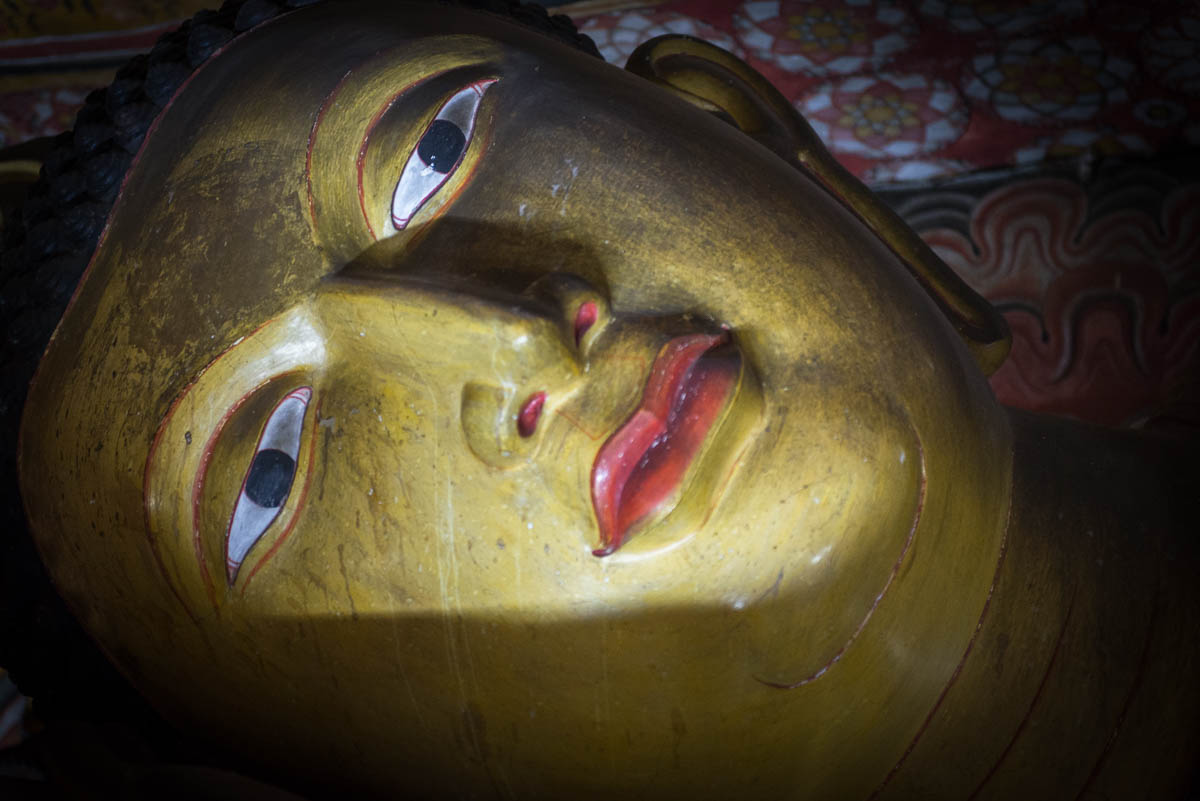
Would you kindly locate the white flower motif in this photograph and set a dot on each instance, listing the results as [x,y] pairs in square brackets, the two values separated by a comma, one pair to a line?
[1034,81]
[973,16]
[824,37]
[1172,53]
[886,116]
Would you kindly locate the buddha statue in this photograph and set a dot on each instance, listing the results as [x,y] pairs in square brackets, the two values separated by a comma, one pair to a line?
[446,413]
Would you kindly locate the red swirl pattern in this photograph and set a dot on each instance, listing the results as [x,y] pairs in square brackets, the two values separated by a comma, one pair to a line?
[1105,312]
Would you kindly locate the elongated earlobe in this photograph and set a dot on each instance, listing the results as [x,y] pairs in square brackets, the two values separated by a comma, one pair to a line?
[722,84]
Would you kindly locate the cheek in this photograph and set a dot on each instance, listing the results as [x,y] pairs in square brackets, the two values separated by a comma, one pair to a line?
[857,484]
[385,461]
[401,515]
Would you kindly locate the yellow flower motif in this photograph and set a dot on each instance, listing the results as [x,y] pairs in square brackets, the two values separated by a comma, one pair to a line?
[1060,80]
[829,30]
[887,115]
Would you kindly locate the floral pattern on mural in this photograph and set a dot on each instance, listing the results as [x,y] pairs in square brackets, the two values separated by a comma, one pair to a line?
[824,37]
[1036,81]
[999,16]
[886,116]
[1172,52]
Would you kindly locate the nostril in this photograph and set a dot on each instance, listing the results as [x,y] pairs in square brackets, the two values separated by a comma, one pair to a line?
[531,410]
[585,318]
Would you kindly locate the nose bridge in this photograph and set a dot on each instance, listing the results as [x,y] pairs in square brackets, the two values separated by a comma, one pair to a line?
[455,333]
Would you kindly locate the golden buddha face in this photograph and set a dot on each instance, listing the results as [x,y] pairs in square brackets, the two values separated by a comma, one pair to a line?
[503,407]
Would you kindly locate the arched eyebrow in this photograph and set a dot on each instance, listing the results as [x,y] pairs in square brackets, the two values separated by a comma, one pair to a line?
[312,139]
[152,453]
[457,117]
[361,158]
[330,99]
[353,102]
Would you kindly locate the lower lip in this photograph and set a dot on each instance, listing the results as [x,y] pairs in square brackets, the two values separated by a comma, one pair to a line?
[644,463]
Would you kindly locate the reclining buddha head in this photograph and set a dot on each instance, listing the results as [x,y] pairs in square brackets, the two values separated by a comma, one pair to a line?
[447,409]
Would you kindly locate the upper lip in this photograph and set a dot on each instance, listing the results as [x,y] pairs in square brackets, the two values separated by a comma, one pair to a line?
[644,462]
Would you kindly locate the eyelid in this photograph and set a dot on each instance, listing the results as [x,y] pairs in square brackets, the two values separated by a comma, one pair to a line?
[421,178]
[269,478]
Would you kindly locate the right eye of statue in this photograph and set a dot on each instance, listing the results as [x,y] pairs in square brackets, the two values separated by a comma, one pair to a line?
[268,480]
[438,152]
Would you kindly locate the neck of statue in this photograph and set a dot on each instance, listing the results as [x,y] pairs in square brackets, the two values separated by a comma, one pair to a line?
[1100,558]
[1088,633]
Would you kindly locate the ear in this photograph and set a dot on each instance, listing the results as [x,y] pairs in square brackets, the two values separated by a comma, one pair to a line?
[721,83]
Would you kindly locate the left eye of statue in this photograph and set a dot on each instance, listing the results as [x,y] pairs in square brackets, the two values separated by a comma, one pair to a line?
[438,152]
[268,480]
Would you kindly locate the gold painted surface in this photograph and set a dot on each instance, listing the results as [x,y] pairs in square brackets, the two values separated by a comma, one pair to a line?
[817,613]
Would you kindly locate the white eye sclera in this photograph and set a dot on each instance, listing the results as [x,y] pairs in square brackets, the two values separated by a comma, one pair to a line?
[268,480]
[438,152]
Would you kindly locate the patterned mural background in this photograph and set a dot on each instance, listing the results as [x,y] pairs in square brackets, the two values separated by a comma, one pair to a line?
[1098,276]
[932,88]
[899,89]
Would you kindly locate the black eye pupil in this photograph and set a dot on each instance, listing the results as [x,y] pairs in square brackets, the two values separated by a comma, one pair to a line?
[441,146]
[270,478]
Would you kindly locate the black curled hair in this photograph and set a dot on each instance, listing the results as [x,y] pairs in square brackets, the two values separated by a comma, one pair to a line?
[47,245]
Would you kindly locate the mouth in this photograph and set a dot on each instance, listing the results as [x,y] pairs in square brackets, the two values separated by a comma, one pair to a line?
[641,469]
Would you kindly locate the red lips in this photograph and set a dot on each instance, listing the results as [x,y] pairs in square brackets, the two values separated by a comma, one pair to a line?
[644,462]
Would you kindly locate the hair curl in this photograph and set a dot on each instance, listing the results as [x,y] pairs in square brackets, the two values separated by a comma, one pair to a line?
[46,247]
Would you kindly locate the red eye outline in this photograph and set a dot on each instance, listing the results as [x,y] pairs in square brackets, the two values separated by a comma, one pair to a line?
[202,476]
[276,436]
[300,500]
[416,170]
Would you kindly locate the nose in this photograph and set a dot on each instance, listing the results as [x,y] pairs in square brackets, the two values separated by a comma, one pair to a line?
[582,310]
[502,424]
[501,360]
